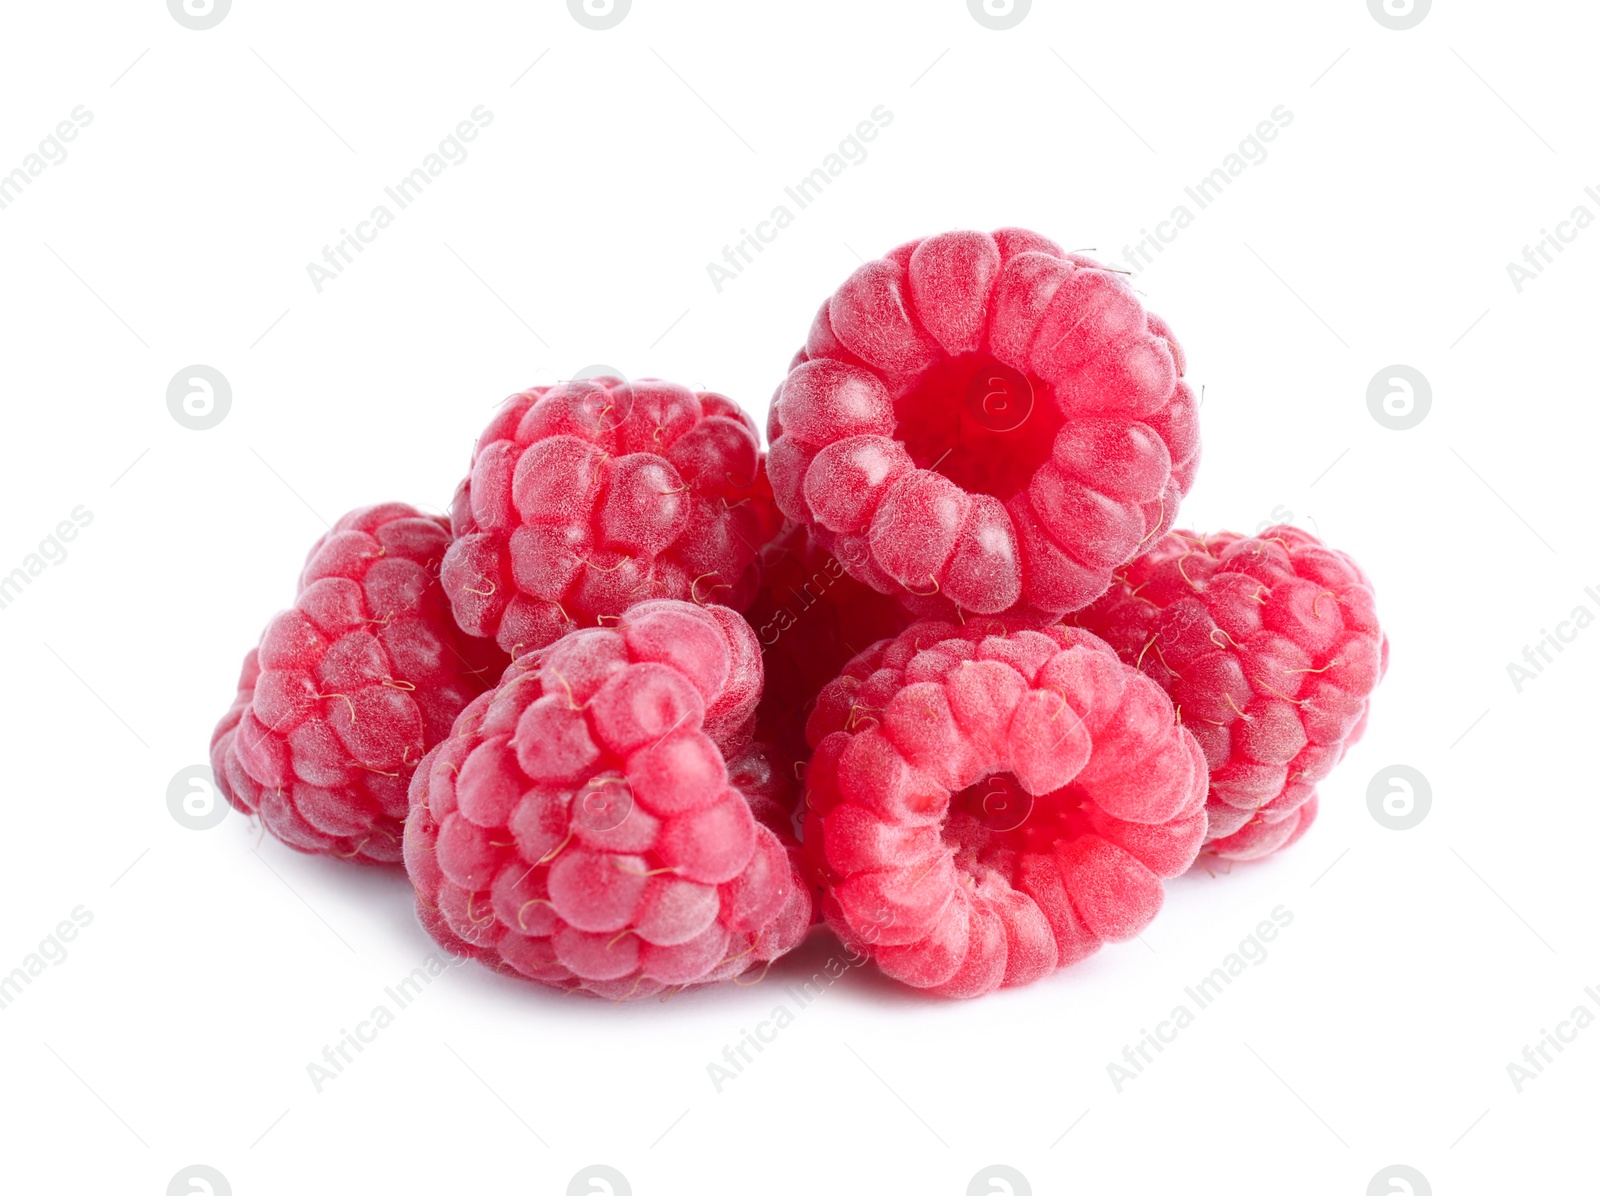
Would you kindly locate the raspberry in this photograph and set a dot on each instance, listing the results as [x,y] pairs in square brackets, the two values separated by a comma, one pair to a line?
[1263,835]
[349,687]
[586,497]
[985,420]
[1270,647]
[811,617]
[579,828]
[989,803]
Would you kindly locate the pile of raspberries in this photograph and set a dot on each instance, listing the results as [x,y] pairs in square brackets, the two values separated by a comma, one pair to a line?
[934,669]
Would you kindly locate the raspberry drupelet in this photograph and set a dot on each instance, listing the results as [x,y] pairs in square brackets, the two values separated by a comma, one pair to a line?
[983,423]
[589,496]
[350,687]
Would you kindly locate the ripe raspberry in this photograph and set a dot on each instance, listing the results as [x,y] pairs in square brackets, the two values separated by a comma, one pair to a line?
[1269,832]
[989,803]
[1269,646]
[579,828]
[349,687]
[587,497]
[811,617]
[986,420]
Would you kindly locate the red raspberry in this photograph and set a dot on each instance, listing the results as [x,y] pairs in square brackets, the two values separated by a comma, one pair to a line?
[988,803]
[349,687]
[811,617]
[587,497]
[579,828]
[1270,647]
[986,419]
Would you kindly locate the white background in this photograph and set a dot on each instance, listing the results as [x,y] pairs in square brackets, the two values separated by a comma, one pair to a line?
[578,230]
